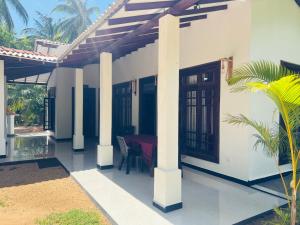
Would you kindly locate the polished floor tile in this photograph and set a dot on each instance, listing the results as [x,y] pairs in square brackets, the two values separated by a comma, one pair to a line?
[127,199]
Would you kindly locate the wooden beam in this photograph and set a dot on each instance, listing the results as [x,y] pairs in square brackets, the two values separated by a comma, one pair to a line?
[114,37]
[87,52]
[203,10]
[96,46]
[212,1]
[132,19]
[117,29]
[95,43]
[192,18]
[19,82]
[148,5]
[179,7]
[162,4]
[106,37]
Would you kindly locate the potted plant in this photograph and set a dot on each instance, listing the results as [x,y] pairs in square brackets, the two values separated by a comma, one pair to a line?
[10,122]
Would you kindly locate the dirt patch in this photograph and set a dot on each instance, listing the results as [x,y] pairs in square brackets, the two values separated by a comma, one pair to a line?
[51,190]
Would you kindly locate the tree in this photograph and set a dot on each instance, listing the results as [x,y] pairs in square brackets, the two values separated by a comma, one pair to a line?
[28,102]
[282,87]
[79,17]
[45,28]
[5,16]
[9,39]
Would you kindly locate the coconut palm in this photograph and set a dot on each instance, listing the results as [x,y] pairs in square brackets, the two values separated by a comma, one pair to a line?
[282,87]
[5,15]
[45,28]
[78,17]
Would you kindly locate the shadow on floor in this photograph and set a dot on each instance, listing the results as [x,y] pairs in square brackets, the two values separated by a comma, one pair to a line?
[23,173]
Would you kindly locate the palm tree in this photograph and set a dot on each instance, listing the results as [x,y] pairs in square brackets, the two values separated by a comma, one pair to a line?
[79,17]
[5,16]
[282,87]
[45,28]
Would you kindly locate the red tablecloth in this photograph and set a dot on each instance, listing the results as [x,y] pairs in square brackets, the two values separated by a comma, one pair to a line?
[147,143]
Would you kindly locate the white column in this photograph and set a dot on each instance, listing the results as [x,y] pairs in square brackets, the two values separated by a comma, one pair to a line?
[167,176]
[105,148]
[2,112]
[5,105]
[78,139]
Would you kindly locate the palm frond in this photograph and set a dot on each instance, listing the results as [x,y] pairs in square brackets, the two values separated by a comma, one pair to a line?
[285,93]
[20,10]
[266,137]
[260,71]
[5,15]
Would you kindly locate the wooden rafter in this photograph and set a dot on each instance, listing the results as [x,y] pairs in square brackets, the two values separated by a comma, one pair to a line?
[117,30]
[148,5]
[177,8]
[161,4]
[103,39]
[146,17]
[116,39]
[203,10]
[97,46]
[193,18]
[183,13]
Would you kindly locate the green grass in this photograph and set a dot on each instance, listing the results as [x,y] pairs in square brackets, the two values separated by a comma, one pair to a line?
[73,217]
[2,204]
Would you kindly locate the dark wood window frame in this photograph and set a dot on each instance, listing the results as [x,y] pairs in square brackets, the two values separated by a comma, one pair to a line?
[204,79]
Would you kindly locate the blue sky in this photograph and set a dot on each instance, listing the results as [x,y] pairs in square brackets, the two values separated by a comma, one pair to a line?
[46,6]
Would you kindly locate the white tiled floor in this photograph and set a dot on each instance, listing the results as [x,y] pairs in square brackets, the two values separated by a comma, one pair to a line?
[207,200]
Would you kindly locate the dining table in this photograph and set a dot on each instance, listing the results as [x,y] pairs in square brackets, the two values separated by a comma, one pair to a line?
[147,145]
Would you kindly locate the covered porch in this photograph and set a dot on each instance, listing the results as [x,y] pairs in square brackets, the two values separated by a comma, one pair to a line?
[127,199]
[195,197]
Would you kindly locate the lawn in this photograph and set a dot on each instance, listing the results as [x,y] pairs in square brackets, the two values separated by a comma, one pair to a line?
[34,194]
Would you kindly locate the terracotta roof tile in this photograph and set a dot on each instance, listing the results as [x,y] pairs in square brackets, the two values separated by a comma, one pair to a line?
[11,52]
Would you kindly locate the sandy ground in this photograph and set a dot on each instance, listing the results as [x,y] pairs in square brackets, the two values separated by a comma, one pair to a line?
[38,193]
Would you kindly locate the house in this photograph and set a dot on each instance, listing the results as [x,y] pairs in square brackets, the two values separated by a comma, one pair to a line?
[161,67]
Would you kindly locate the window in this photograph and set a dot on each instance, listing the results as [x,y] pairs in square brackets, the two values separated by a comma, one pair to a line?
[199,111]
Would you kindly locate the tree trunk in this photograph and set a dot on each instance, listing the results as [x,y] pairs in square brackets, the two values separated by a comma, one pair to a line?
[294,208]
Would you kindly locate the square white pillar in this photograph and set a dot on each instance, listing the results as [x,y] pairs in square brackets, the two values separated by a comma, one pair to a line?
[105,148]
[167,176]
[5,105]
[2,112]
[78,139]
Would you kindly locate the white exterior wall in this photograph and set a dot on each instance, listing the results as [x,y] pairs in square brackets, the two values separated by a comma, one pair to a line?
[63,80]
[246,31]
[223,34]
[275,37]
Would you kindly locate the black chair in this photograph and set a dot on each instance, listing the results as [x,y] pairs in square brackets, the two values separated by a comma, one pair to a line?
[128,154]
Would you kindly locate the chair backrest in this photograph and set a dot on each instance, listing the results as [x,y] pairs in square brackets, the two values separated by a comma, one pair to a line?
[123,146]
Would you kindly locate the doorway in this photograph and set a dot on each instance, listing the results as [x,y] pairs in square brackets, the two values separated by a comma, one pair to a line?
[148,106]
[121,109]
[89,111]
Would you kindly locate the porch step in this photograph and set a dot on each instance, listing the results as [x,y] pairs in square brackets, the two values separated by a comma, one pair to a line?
[118,203]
